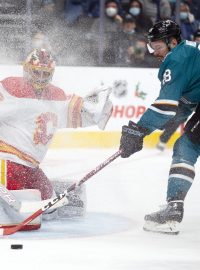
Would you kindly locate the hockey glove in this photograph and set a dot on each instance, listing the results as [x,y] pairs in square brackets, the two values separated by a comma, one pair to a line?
[132,139]
[97,108]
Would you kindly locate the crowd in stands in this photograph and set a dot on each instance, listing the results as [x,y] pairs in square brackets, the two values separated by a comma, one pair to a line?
[85,32]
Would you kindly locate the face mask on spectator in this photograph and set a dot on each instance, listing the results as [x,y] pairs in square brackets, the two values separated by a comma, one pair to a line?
[111,12]
[183,15]
[172,1]
[135,11]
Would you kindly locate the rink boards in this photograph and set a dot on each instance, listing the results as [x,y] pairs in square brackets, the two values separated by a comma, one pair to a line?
[134,89]
[96,139]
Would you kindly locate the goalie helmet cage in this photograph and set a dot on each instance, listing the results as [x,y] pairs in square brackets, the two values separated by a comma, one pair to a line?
[14,229]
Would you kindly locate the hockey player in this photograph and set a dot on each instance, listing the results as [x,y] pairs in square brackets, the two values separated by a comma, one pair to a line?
[179,75]
[180,117]
[31,111]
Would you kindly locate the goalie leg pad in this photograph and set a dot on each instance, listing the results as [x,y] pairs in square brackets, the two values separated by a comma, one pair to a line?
[76,206]
[9,217]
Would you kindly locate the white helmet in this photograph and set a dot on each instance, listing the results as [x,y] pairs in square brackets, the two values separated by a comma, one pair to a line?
[39,68]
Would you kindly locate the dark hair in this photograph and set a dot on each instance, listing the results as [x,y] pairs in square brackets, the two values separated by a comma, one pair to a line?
[140,4]
[111,1]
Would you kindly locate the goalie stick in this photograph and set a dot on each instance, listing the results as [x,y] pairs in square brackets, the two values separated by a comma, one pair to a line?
[9,198]
[14,229]
[25,206]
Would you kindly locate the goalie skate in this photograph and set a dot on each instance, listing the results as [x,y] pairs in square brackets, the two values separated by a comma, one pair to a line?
[166,220]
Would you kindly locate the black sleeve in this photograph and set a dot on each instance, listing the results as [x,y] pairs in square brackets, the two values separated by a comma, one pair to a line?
[192,128]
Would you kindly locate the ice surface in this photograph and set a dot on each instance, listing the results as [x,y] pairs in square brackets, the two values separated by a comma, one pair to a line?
[111,236]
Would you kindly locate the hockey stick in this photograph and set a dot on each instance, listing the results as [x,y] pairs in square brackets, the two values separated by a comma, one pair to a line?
[14,229]
[31,206]
[9,198]
[25,206]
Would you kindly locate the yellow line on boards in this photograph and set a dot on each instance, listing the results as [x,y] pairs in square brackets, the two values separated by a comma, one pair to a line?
[3,171]
[102,139]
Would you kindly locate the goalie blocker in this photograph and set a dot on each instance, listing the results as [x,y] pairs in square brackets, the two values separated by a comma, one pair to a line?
[76,206]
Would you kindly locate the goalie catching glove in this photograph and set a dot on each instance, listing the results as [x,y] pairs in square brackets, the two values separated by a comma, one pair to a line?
[132,139]
[97,108]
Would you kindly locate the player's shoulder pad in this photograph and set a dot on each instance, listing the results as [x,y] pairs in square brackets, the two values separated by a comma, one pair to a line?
[15,86]
[18,87]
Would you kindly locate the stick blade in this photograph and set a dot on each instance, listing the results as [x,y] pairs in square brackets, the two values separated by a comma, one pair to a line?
[14,229]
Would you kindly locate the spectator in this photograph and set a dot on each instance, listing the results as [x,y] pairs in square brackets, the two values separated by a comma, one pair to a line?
[157,9]
[112,19]
[91,8]
[125,41]
[60,5]
[173,7]
[73,9]
[112,11]
[112,25]
[187,22]
[143,22]
[84,22]
[194,7]
[48,6]
[130,48]
[48,12]
[124,6]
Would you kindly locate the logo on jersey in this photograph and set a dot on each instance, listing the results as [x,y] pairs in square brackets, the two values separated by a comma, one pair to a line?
[166,76]
[46,123]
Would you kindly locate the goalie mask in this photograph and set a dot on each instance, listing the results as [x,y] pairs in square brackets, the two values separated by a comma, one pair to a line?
[164,30]
[39,67]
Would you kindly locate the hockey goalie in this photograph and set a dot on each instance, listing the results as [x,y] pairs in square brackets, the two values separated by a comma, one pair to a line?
[31,111]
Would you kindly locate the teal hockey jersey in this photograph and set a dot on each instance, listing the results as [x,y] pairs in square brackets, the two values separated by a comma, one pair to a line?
[179,75]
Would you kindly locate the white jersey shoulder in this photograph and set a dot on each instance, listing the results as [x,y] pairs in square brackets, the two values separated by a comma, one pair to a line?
[28,123]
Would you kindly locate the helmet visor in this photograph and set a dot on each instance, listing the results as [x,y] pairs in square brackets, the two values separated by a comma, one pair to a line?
[150,49]
[156,46]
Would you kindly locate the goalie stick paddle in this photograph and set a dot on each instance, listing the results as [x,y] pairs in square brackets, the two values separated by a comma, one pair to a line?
[9,198]
[14,229]
[25,206]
